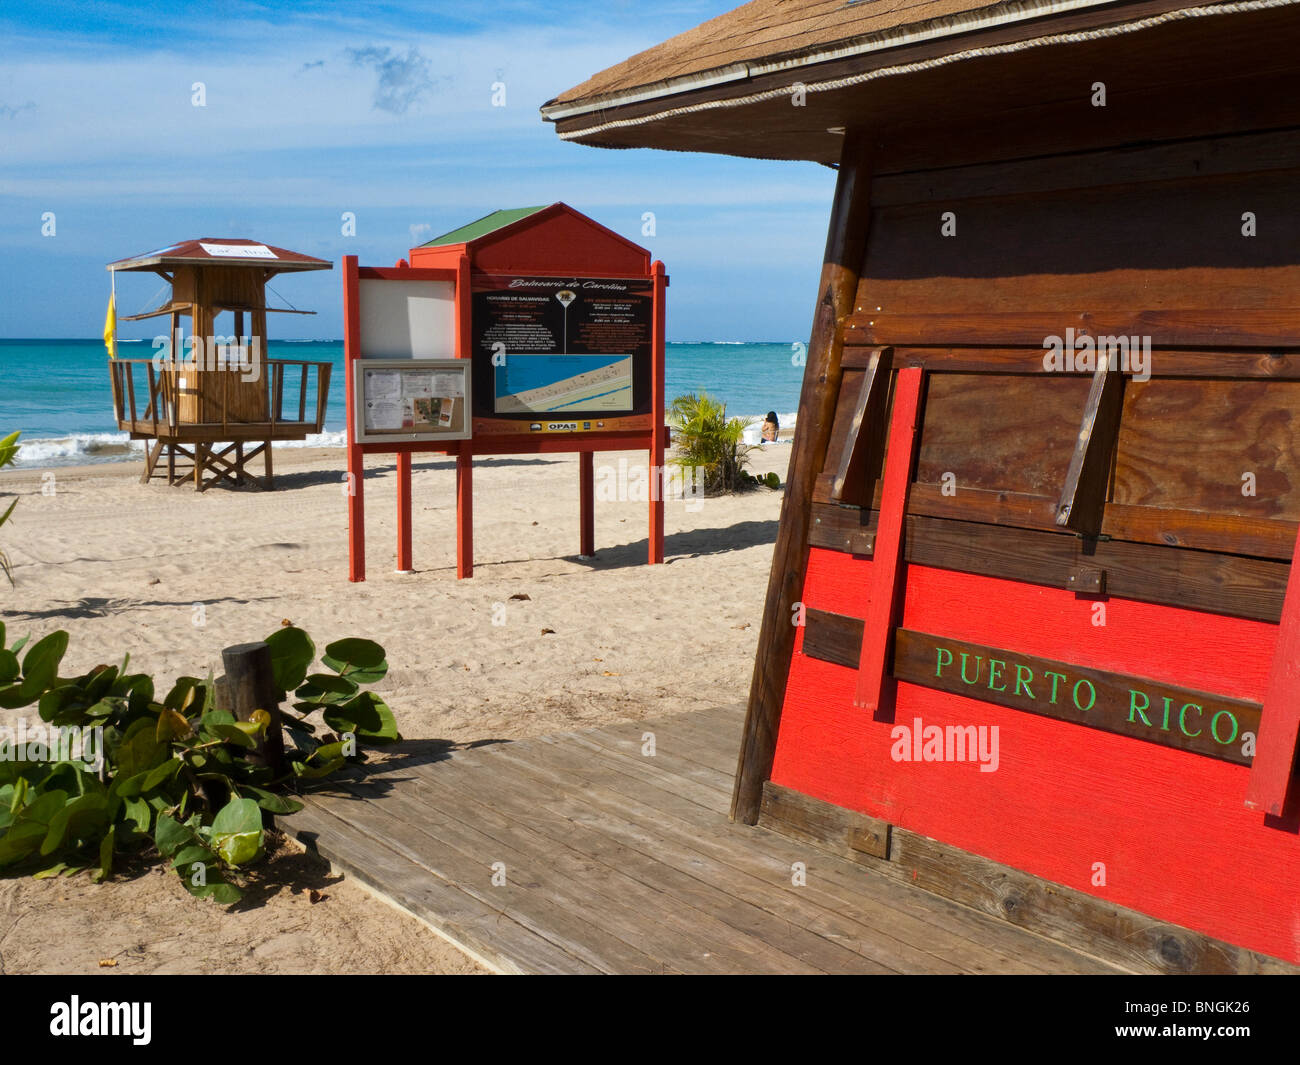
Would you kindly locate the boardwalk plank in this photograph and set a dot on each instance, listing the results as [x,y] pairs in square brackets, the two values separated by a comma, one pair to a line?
[688,895]
[500,942]
[466,858]
[923,917]
[618,862]
[650,931]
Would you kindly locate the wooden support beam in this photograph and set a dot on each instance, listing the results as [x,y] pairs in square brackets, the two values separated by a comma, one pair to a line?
[887,558]
[861,458]
[1087,479]
[1272,775]
[846,244]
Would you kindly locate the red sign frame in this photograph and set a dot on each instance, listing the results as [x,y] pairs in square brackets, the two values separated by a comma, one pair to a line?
[653,437]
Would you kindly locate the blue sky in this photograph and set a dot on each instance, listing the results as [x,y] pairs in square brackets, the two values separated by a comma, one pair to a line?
[382,109]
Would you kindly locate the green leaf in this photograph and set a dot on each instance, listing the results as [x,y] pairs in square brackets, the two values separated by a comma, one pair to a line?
[172,725]
[30,827]
[169,835]
[212,718]
[237,832]
[20,841]
[368,716]
[140,749]
[41,663]
[292,654]
[234,734]
[9,667]
[76,822]
[176,698]
[161,773]
[222,892]
[238,815]
[137,814]
[313,772]
[361,660]
[326,689]
[271,802]
[106,846]
[191,853]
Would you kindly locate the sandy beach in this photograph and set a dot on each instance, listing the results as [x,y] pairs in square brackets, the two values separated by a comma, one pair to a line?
[172,576]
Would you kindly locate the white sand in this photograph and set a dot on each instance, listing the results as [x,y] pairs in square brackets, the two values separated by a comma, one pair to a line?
[173,576]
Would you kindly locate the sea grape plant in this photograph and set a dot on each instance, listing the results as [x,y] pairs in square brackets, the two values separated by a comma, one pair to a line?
[115,769]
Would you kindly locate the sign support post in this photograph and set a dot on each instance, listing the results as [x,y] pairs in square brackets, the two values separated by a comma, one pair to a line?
[658,483]
[356,461]
[464,512]
[404,562]
[587,504]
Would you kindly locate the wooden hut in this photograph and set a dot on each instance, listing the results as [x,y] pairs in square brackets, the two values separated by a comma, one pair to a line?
[1045,486]
[210,389]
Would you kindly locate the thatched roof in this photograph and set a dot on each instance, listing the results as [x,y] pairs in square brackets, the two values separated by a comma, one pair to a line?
[726,85]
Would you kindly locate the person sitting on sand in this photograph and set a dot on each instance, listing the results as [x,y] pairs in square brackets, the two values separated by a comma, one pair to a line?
[771,427]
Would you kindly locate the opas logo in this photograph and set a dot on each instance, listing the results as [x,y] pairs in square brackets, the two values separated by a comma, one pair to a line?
[79,1018]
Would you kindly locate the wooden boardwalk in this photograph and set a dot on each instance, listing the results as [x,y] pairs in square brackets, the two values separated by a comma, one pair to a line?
[615,861]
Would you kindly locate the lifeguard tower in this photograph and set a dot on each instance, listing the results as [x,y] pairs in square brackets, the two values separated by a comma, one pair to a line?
[214,398]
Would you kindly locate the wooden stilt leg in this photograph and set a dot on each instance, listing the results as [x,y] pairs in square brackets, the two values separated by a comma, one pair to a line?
[171,464]
[151,453]
[270,475]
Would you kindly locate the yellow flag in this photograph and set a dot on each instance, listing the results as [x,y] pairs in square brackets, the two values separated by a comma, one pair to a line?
[110,327]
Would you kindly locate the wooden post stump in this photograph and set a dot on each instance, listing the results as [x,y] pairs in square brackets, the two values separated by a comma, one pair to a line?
[250,685]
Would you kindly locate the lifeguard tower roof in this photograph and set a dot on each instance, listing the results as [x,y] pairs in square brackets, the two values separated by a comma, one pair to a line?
[223,251]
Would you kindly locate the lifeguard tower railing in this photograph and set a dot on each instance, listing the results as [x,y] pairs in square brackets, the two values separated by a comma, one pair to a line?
[184,410]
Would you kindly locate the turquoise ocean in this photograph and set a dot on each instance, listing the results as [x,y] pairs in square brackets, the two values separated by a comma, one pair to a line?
[57,391]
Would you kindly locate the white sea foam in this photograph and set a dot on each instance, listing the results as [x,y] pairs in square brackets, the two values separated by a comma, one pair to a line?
[83,449]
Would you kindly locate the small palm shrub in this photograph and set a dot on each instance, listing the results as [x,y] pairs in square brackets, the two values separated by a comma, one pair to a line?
[709,444]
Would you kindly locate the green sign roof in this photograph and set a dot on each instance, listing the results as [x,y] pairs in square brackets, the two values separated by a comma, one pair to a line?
[487,224]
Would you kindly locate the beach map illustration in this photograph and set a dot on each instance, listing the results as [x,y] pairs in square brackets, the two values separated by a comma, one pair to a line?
[548,383]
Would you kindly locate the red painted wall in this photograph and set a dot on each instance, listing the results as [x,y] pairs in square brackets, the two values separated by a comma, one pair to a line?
[1171,827]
